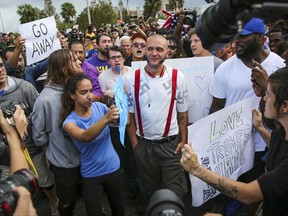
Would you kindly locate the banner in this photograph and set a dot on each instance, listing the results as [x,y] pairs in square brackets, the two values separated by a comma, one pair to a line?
[224,142]
[198,72]
[41,39]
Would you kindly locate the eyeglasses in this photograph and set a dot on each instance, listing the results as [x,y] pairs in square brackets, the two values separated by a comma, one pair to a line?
[142,45]
[114,32]
[116,57]
[172,47]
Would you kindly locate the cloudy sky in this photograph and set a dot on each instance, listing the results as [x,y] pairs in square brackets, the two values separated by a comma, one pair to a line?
[10,19]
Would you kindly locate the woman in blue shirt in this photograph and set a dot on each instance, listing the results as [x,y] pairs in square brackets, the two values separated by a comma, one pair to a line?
[86,123]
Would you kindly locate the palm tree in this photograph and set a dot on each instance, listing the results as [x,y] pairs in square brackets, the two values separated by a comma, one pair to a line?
[151,7]
[49,9]
[174,4]
[68,11]
[28,13]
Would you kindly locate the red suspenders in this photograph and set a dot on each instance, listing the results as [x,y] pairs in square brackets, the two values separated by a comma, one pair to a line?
[169,117]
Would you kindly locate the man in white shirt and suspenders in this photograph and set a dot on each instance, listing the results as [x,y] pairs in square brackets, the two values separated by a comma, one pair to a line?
[158,107]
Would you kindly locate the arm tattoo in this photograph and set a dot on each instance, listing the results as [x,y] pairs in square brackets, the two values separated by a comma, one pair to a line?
[226,188]
[221,185]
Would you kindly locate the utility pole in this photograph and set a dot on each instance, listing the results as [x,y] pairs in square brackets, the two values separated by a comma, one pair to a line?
[88,11]
[2,22]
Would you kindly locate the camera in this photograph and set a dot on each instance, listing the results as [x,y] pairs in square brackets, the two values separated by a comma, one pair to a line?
[8,199]
[190,17]
[8,108]
[165,202]
[131,27]
[75,35]
[222,22]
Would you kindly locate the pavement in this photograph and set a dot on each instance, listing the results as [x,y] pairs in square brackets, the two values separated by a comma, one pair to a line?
[43,209]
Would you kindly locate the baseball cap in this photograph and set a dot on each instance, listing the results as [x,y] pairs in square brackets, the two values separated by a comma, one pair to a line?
[255,25]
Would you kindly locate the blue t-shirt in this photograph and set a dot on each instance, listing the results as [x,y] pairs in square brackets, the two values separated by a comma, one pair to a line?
[98,157]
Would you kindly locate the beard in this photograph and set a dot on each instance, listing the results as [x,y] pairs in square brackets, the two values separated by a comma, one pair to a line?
[248,50]
[159,63]
[103,51]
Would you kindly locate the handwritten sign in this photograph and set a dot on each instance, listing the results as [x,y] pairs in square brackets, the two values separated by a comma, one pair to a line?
[41,39]
[224,143]
[198,72]
[121,101]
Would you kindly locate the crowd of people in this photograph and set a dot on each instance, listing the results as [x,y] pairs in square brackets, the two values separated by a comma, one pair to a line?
[72,131]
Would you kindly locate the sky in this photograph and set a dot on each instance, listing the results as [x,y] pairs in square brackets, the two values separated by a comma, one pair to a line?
[10,18]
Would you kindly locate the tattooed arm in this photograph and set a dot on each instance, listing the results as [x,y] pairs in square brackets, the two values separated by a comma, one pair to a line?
[246,193]
[182,118]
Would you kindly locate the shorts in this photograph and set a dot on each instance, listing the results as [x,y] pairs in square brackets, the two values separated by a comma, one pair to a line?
[45,176]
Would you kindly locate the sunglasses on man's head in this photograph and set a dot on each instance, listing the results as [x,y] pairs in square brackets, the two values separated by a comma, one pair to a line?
[172,47]
[142,45]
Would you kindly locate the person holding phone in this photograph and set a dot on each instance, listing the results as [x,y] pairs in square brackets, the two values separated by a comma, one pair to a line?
[86,123]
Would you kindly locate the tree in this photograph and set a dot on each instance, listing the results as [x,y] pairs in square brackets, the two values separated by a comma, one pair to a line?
[151,7]
[28,13]
[68,11]
[49,9]
[101,12]
[175,4]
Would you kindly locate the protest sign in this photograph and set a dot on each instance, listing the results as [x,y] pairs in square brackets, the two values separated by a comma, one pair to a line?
[224,143]
[198,72]
[121,101]
[41,39]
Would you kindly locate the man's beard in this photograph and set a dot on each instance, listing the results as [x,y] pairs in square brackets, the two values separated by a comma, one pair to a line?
[103,51]
[160,62]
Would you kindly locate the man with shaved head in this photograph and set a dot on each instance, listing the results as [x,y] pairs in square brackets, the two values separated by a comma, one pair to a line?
[158,104]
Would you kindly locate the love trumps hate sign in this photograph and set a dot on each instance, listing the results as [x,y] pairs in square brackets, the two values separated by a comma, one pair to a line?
[224,144]
[41,39]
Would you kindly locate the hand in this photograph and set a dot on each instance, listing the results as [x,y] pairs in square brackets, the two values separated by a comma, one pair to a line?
[109,93]
[259,75]
[258,90]
[112,114]
[179,147]
[189,159]
[19,43]
[24,203]
[257,118]
[21,123]
[134,145]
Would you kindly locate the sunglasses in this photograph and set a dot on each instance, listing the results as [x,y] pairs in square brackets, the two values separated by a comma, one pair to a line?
[116,57]
[172,47]
[142,45]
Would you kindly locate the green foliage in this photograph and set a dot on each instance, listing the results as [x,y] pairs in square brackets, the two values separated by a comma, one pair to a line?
[49,9]
[151,7]
[28,13]
[102,12]
[176,4]
[68,11]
